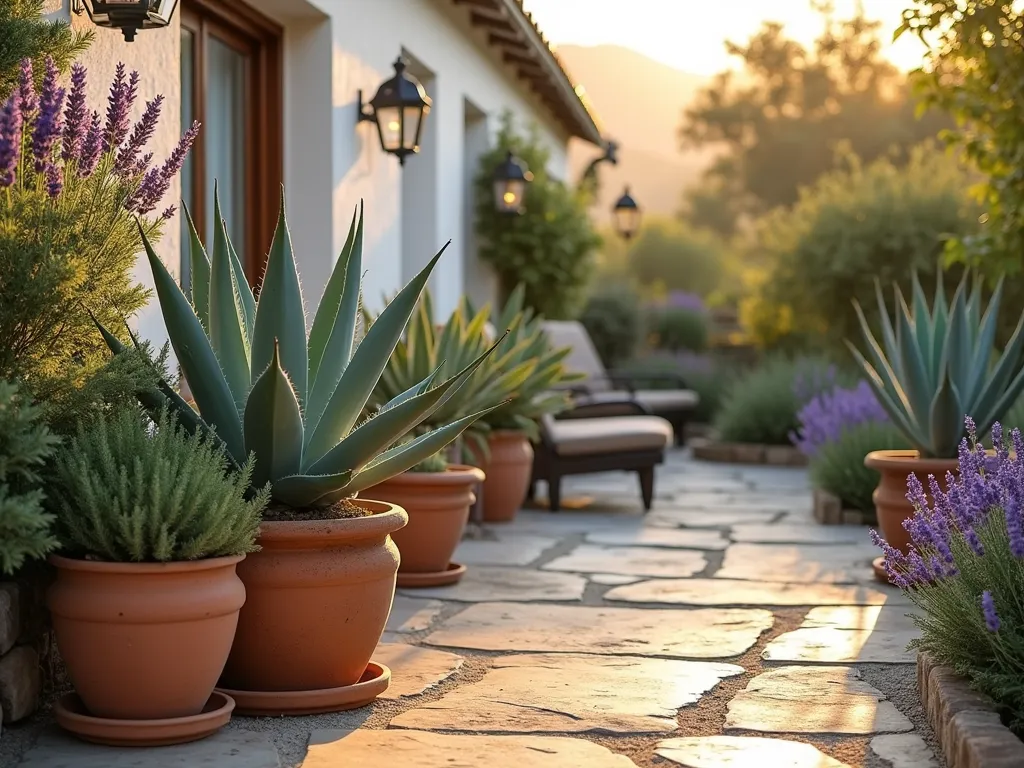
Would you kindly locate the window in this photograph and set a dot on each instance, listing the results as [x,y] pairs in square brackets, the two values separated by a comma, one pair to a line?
[231,83]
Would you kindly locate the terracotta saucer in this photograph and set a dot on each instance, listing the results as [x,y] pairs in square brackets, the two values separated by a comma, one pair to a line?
[373,683]
[878,566]
[449,575]
[72,716]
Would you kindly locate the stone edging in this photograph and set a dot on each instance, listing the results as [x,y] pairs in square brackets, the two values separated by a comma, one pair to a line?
[965,723]
[828,510]
[709,449]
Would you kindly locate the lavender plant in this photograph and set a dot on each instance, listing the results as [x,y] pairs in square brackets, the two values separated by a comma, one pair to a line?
[965,568]
[829,413]
[71,186]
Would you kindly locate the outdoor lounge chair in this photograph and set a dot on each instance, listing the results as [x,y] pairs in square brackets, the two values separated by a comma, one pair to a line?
[582,445]
[614,390]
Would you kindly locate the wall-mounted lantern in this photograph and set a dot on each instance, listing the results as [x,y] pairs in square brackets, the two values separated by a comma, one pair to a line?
[127,15]
[510,180]
[398,110]
[627,215]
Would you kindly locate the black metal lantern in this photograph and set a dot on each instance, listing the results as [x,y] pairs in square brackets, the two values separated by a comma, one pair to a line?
[398,109]
[627,215]
[127,15]
[510,180]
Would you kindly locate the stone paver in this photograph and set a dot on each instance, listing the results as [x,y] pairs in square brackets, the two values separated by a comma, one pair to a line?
[801,563]
[904,750]
[484,584]
[409,614]
[660,537]
[630,561]
[846,635]
[422,749]
[785,533]
[612,579]
[803,699]
[226,749]
[699,634]
[414,669]
[743,752]
[509,549]
[570,693]
[727,592]
[704,518]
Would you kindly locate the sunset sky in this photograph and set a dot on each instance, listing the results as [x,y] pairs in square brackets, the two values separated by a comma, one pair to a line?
[689,34]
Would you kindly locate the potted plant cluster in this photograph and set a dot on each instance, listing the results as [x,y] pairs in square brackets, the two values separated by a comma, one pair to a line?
[934,365]
[153,523]
[319,590]
[438,494]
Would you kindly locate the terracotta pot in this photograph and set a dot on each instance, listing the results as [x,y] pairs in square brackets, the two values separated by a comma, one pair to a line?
[438,505]
[145,641]
[318,595]
[890,496]
[508,475]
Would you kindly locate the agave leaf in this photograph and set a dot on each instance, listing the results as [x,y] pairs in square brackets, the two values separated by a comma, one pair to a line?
[985,343]
[1010,396]
[882,368]
[227,328]
[946,421]
[1004,371]
[959,342]
[513,306]
[243,291]
[924,331]
[199,272]
[416,389]
[900,416]
[273,425]
[364,370]
[888,336]
[396,460]
[280,316]
[334,328]
[915,380]
[302,491]
[196,357]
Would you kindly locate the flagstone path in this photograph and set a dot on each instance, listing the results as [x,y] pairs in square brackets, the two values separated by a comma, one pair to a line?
[725,629]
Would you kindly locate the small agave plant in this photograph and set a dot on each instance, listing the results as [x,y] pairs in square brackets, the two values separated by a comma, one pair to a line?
[936,365]
[291,400]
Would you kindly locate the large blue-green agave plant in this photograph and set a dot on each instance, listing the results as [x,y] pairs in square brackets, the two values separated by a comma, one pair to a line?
[295,401]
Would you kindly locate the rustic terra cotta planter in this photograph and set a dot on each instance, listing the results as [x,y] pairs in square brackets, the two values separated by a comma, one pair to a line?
[438,506]
[890,496]
[145,641]
[508,475]
[318,595]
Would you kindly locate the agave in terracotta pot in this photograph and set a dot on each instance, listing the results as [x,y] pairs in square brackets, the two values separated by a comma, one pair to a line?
[320,591]
[146,600]
[935,367]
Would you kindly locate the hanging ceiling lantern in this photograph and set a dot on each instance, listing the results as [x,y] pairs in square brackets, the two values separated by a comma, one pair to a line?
[510,180]
[398,109]
[127,15]
[627,215]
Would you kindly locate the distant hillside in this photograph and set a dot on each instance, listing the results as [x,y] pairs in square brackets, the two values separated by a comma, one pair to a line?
[640,104]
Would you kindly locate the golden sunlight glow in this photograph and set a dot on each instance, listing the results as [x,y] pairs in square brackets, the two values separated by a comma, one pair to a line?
[393,125]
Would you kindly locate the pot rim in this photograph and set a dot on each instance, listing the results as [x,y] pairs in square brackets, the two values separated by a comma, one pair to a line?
[908,460]
[455,474]
[386,519]
[173,566]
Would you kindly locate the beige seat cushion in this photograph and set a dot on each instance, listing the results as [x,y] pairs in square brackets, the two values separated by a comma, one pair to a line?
[588,437]
[655,400]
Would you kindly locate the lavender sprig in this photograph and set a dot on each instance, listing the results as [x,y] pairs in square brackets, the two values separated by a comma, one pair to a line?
[91,147]
[10,139]
[48,123]
[142,133]
[76,116]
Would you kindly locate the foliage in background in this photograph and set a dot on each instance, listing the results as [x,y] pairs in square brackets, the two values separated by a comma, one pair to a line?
[71,187]
[937,364]
[549,248]
[855,225]
[673,256]
[25,445]
[676,329]
[25,34]
[975,71]
[966,568]
[128,490]
[837,466]
[761,406]
[708,377]
[828,414]
[613,317]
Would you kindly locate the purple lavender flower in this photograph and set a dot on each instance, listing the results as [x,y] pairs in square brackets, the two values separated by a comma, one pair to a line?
[826,416]
[142,164]
[157,180]
[142,133]
[91,147]
[10,139]
[915,493]
[48,123]
[75,116]
[168,212]
[27,90]
[119,106]
[54,180]
[988,607]
[685,300]
[1014,524]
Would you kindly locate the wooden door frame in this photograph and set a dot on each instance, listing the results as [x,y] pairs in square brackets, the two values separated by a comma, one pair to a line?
[261,40]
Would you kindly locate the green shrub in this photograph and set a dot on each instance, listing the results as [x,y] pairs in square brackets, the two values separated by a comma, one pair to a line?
[677,257]
[676,329]
[838,466]
[762,405]
[25,445]
[707,377]
[614,321]
[128,490]
[26,33]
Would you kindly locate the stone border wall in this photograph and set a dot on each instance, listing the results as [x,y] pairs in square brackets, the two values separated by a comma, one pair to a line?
[709,449]
[966,723]
[828,510]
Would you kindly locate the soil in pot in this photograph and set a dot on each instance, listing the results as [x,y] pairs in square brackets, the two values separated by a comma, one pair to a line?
[508,475]
[318,595]
[145,641]
[438,505]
